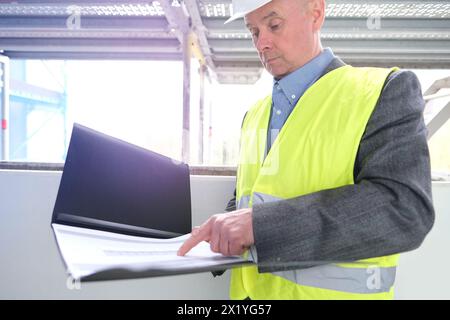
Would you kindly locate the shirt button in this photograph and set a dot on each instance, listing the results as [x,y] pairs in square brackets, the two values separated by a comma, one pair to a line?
[293,96]
[278,112]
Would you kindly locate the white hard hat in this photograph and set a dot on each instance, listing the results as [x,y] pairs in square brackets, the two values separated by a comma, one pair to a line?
[242,7]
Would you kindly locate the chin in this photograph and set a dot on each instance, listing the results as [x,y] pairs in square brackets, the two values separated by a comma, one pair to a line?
[277,72]
[278,75]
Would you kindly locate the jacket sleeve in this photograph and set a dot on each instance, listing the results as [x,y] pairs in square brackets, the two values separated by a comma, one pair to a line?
[389,208]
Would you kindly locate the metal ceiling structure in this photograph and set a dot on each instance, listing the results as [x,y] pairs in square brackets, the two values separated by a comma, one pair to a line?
[435,120]
[407,34]
[411,34]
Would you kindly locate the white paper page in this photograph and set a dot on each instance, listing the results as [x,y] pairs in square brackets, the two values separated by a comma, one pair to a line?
[88,251]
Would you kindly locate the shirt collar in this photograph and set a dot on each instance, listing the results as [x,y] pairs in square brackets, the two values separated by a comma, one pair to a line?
[296,83]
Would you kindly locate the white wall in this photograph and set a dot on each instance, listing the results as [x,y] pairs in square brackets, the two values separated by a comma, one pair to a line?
[31,268]
[30,265]
[425,273]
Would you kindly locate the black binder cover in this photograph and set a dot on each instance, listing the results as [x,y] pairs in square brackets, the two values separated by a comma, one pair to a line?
[111,185]
[114,186]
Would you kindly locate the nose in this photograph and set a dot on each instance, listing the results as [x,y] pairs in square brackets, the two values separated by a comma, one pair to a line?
[264,42]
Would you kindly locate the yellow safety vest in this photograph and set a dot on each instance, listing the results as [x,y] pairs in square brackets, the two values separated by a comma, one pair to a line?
[315,150]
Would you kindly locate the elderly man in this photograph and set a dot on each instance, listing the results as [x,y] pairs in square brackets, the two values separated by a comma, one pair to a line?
[342,183]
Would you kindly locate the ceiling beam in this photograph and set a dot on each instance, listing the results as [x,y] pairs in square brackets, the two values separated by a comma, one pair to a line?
[71,55]
[89,45]
[200,31]
[86,23]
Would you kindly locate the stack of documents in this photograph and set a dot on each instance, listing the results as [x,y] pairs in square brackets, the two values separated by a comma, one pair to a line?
[92,255]
[115,202]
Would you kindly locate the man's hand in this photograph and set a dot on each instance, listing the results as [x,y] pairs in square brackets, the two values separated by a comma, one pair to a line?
[227,233]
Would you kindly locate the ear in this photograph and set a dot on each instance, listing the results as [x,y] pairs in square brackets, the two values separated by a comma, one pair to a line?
[317,8]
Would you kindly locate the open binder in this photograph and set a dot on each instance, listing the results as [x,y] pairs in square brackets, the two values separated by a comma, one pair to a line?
[123,211]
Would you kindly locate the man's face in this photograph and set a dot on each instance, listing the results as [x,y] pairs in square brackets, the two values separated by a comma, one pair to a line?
[285,35]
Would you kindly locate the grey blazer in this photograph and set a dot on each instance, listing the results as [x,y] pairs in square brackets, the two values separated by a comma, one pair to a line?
[389,208]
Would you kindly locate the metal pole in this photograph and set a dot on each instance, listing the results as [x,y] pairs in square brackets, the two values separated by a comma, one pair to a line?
[202,71]
[64,108]
[210,132]
[4,114]
[185,151]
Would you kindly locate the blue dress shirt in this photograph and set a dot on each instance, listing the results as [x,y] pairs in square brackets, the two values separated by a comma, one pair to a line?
[288,90]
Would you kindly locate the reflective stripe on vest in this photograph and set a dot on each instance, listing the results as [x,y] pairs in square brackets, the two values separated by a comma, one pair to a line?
[372,279]
[315,150]
[243,202]
[365,279]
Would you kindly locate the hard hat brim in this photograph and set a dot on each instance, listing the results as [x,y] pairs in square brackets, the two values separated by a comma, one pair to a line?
[243,10]
[235,17]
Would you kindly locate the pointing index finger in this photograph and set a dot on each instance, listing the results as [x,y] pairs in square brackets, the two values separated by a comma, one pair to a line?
[198,235]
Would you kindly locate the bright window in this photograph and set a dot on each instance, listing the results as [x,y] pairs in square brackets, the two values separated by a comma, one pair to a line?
[141,102]
[137,101]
